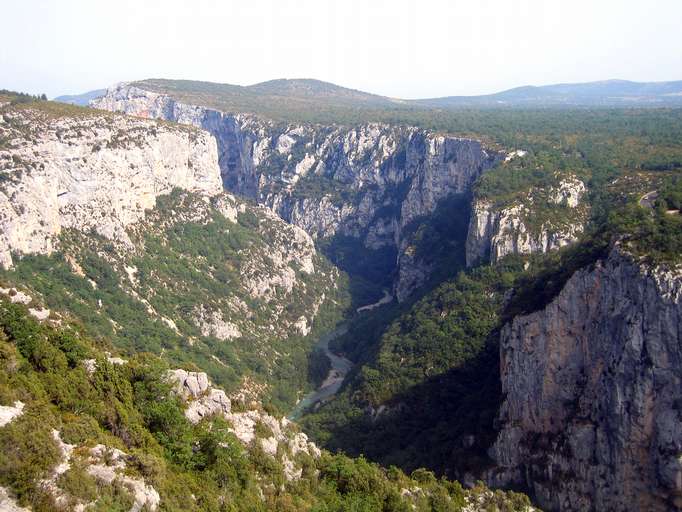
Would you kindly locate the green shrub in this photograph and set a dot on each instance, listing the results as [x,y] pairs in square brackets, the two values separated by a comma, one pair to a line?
[28,451]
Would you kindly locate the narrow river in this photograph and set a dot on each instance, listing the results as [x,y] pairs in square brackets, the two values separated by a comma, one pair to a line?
[340,366]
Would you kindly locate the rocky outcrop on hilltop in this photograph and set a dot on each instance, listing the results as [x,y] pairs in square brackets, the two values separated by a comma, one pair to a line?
[592,387]
[91,171]
[369,182]
[543,221]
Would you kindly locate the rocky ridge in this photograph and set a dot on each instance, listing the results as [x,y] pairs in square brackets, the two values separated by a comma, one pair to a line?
[590,419]
[370,182]
[106,464]
[283,440]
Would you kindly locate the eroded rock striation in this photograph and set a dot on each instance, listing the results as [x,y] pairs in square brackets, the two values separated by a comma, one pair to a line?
[369,182]
[592,386]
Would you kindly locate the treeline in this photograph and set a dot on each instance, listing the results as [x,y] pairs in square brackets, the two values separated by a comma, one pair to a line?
[22,97]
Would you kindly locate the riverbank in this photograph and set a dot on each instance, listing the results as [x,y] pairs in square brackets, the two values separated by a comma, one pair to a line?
[340,366]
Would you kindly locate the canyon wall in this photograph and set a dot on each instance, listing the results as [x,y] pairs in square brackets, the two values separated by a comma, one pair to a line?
[542,221]
[592,388]
[145,240]
[370,182]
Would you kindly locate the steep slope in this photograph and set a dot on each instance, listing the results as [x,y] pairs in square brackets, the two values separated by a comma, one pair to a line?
[83,430]
[428,388]
[122,224]
[534,220]
[375,183]
[75,168]
[427,385]
[591,387]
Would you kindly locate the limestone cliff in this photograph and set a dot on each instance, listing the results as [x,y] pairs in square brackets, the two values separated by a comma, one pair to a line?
[543,221]
[133,235]
[369,182]
[90,171]
[592,387]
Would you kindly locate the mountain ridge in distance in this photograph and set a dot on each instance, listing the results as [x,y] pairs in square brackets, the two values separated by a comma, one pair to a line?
[613,92]
[308,91]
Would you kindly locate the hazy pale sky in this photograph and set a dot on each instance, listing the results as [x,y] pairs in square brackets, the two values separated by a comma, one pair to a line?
[400,48]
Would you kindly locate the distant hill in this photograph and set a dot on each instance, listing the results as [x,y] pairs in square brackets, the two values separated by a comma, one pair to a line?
[275,98]
[604,93]
[309,88]
[300,95]
[81,99]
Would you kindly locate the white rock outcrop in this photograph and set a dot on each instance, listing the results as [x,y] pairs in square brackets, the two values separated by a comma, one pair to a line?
[16,296]
[9,412]
[90,365]
[496,231]
[50,484]
[109,464]
[212,323]
[93,172]
[203,400]
[8,504]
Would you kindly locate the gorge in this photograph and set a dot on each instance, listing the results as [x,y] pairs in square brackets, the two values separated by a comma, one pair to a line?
[373,183]
[495,303]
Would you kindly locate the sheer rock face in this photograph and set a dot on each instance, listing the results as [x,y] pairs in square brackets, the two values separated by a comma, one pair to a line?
[390,176]
[593,385]
[92,172]
[495,231]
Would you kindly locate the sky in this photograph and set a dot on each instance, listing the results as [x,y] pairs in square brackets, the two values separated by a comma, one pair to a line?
[397,48]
